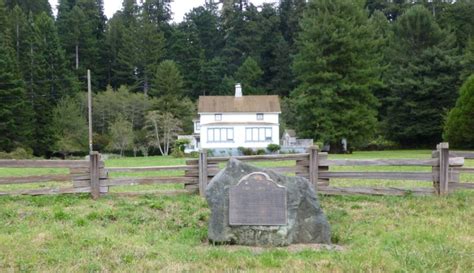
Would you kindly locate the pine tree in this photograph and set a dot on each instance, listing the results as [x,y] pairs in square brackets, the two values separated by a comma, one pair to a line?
[422,80]
[14,109]
[459,128]
[168,81]
[291,12]
[49,80]
[31,6]
[467,61]
[150,50]
[249,75]
[81,26]
[274,54]
[184,47]
[335,69]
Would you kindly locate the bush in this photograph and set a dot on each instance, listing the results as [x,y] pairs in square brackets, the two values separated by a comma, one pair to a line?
[261,152]
[18,153]
[273,148]
[194,154]
[177,153]
[245,151]
[180,144]
[379,144]
[459,128]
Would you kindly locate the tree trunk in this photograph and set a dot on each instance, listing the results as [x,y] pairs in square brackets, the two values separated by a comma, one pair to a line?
[77,56]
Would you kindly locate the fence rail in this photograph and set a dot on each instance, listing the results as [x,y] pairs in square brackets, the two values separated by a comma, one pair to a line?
[91,176]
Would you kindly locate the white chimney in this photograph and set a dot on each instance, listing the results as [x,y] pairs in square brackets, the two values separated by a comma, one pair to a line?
[238,90]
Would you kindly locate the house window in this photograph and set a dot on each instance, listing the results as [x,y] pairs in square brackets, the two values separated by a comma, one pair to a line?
[258,134]
[259,116]
[218,117]
[220,134]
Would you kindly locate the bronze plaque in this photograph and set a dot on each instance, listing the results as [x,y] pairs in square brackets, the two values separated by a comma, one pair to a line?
[257,201]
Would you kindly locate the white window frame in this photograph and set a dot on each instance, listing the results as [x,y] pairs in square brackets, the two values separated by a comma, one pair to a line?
[258,134]
[260,116]
[220,135]
[218,117]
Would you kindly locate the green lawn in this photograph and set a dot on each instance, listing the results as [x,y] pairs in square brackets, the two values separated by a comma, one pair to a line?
[168,233]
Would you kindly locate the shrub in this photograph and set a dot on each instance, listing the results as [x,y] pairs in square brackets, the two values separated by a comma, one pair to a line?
[261,152]
[181,144]
[18,153]
[177,153]
[273,148]
[194,154]
[459,128]
[379,144]
[245,151]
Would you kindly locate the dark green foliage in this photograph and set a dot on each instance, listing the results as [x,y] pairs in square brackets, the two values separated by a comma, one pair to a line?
[48,80]
[328,68]
[467,61]
[33,6]
[422,81]
[459,128]
[249,75]
[459,18]
[273,148]
[81,26]
[14,107]
[168,81]
[336,69]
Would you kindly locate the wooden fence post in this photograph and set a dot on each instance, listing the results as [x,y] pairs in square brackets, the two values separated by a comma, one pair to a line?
[202,172]
[443,149]
[314,165]
[95,174]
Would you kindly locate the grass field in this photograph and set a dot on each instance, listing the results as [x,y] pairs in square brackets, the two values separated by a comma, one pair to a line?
[152,233]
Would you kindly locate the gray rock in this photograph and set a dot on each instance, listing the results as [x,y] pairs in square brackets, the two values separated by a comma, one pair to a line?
[306,220]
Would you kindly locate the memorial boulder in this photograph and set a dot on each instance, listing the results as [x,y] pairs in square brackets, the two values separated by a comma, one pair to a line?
[255,207]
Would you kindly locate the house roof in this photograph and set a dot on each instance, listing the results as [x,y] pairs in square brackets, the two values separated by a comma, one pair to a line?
[231,104]
[290,132]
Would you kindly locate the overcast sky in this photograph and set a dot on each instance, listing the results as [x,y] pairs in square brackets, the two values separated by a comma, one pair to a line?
[180,7]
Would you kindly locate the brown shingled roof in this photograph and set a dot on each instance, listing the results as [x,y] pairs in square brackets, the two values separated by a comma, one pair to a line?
[222,104]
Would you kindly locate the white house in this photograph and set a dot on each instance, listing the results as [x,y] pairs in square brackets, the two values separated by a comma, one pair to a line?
[228,122]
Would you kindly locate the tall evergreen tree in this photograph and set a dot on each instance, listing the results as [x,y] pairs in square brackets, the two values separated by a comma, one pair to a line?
[459,128]
[249,75]
[150,50]
[274,54]
[14,109]
[291,12]
[34,6]
[81,27]
[184,47]
[467,61]
[49,81]
[168,81]
[335,69]
[423,79]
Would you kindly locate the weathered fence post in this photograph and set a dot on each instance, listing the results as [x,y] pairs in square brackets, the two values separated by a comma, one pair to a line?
[314,165]
[443,149]
[95,174]
[202,172]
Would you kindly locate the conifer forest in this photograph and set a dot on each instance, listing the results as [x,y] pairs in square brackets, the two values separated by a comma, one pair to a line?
[376,72]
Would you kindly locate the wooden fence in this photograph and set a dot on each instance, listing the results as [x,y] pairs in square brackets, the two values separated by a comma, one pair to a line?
[77,173]
[315,166]
[91,176]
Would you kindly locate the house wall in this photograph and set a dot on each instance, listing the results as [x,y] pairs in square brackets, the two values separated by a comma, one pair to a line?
[207,118]
[239,123]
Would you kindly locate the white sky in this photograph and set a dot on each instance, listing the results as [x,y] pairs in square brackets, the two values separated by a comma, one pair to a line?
[179,7]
